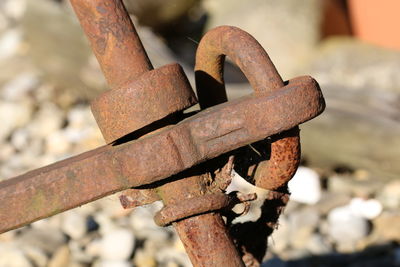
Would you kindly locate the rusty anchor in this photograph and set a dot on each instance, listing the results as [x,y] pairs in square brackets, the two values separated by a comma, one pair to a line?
[155,151]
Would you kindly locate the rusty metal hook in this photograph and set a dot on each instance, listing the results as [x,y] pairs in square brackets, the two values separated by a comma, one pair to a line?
[258,68]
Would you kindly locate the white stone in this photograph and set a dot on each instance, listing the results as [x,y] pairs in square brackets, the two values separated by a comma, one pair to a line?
[117,245]
[12,116]
[390,195]
[280,237]
[20,86]
[74,224]
[9,43]
[113,263]
[369,209]
[93,249]
[57,143]
[15,8]
[11,256]
[47,120]
[305,186]
[20,139]
[345,227]
[36,255]
[317,245]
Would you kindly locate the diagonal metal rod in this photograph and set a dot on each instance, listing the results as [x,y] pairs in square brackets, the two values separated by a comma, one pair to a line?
[109,169]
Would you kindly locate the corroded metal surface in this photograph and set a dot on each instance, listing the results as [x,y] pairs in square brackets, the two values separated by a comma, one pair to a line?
[113,39]
[151,97]
[192,206]
[139,95]
[258,68]
[106,170]
[164,160]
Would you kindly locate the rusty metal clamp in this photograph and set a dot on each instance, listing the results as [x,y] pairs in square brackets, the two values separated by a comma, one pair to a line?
[153,152]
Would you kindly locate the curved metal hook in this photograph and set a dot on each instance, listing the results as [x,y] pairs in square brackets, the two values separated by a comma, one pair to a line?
[258,68]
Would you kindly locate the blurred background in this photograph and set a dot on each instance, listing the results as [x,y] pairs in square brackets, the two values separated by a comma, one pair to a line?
[345,205]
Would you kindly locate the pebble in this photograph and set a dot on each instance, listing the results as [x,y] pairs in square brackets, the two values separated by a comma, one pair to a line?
[167,254]
[57,144]
[117,245]
[386,226]
[390,195]
[9,43]
[302,224]
[12,116]
[368,209]
[47,239]
[74,224]
[20,139]
[114,263]
[144,259]
[20,86]
[47,120]
[317,245]
[305,186]
[36,256]
[61,257]
[345,227]
[279,240]
[13,257]
[14,9]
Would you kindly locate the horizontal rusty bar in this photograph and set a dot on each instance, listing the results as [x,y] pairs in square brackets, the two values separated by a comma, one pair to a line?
[109,169]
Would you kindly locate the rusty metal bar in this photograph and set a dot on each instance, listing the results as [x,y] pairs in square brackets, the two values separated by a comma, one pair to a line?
[103,171]
[114,40]
[141,101]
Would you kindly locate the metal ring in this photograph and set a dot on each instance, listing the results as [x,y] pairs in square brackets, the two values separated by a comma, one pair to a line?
[258,68]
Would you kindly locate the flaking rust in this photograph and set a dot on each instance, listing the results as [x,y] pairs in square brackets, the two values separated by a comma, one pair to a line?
[155,153]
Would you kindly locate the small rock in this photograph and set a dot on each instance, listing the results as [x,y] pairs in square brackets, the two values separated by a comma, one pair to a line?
[331,200]
[61,257]
[48,119]
[19,86]
[350,186]
[317,245]
[143,259]
[345,227]
[36,256]
[390,195]
[74,224]
[14,9]
[57,144]
[20,139]
[113,263]
[368,209]
[12,257]
[143,225]
[93,249]
[47,239]
[305,186]
[117,245]
[168,254]
[77,249]
[9,43]
[386,226]
[12,116]
[280,238]
[302,224]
